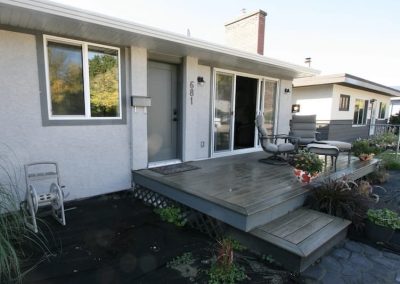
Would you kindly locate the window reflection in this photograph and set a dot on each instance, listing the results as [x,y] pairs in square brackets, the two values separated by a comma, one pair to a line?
[103,78]
[66,79]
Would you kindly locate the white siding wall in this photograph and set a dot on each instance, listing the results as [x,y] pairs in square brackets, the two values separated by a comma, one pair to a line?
[138,118]
[314,100]
[356,94]
[92,159]
[283,112]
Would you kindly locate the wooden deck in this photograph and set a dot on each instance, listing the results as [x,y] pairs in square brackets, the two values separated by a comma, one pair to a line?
[239,190]
[261,202]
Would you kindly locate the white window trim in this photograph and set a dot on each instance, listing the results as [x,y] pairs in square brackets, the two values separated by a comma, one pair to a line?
[366,115]
[86,83]
[379,110]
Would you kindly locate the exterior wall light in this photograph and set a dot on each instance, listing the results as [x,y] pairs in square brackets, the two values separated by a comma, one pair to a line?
[295,108]
[287,91]
[200,81]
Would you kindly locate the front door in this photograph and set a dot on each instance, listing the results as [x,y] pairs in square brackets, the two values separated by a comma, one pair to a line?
[162,120]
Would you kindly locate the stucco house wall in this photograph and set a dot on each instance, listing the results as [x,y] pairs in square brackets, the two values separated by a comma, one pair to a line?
[93,159]
[97,155]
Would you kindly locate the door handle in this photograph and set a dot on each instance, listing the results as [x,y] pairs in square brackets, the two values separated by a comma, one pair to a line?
[175,115]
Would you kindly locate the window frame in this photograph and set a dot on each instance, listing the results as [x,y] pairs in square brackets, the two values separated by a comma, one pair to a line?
[365,114]
[380,114]
[347,105]
[86,83]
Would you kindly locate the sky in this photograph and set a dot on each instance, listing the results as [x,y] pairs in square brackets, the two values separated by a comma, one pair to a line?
[359,37]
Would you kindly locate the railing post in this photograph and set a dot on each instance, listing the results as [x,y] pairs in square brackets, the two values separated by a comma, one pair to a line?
[398,141]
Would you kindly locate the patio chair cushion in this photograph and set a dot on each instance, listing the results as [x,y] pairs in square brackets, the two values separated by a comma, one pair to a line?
[260,123]
[304,127]
[284,147]
[323,149]
[343,146]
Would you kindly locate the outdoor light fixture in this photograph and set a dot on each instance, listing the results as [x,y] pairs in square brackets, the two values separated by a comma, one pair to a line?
[287,91]
[295,108]
[200,81]
[372,101]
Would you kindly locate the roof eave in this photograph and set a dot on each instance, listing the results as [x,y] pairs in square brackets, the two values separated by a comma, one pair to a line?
[349,81]
[191,45]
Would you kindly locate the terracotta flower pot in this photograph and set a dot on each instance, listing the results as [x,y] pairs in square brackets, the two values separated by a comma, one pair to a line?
[303,176]
[366,157]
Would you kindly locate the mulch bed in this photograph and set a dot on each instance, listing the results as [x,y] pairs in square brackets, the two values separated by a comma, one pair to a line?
[389,197]
[117,239]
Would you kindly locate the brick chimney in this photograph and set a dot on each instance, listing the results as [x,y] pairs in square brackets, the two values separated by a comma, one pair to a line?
[247,32]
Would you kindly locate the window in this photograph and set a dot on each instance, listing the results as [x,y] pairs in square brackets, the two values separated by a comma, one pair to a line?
[83,80]
[382,110]
[344,103]
[360,112]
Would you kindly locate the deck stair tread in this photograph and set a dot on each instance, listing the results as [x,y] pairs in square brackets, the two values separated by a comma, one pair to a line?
[301,231]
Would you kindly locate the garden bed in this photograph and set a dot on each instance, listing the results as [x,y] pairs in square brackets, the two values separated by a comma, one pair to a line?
[117,239]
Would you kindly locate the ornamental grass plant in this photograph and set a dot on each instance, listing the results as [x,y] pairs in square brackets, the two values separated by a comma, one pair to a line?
[17,241]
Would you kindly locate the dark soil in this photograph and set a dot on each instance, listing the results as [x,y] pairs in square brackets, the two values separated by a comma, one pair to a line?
[389,197]
[117,239]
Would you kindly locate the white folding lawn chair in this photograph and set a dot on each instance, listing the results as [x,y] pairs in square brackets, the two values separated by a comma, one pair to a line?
[40,177]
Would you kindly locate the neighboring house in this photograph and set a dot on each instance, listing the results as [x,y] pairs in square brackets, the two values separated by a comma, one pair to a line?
[343,104]
[104,96]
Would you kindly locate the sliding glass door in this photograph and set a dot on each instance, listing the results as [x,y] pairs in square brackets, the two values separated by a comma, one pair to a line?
[235,107]
[223,112]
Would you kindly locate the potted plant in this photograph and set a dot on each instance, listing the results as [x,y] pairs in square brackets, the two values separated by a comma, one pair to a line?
[381,224]
[307,166]
[363,149]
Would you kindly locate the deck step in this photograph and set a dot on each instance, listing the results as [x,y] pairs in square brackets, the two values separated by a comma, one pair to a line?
[298,238]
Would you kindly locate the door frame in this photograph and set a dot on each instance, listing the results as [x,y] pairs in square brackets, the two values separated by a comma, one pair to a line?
[259,104]
[179,106]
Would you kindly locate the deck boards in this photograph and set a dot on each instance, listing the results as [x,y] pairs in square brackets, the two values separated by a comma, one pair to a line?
[244,185]
[301,231]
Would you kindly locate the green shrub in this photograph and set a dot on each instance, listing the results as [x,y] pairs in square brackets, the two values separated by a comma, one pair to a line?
[186,258]
[395,119]
[389,160]
[226,274]
[384,141]
[171,214]
[384,217]
[363,146]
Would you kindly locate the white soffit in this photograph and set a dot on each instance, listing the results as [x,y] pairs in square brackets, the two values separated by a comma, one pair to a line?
[56,19]
[346,80]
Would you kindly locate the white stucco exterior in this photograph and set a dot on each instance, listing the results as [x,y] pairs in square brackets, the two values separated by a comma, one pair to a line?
[92,159]
[97,156]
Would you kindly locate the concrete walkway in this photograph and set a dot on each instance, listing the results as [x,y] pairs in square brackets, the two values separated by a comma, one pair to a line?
[354,262]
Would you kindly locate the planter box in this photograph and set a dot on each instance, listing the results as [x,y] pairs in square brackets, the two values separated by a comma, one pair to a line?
[378,233]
